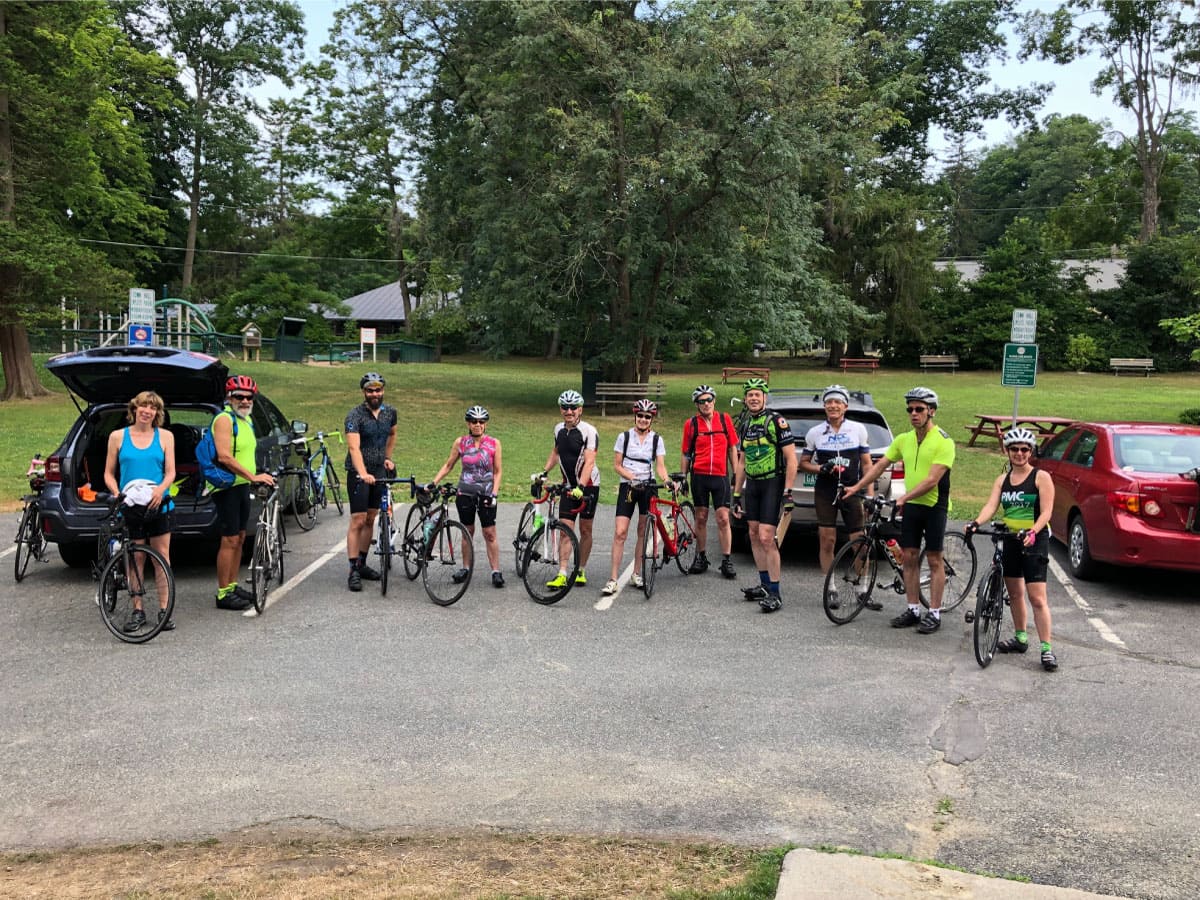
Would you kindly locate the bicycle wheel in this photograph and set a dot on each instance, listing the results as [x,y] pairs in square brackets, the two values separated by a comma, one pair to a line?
[647,549]
[26,535]
[451,563]
[385,549]
[850,581]
[959,560]
[989,615]
[129,583]
[304,502]
[685,537]
[412,545]
[333,486]
[260,568]
[540,566]
[524,531]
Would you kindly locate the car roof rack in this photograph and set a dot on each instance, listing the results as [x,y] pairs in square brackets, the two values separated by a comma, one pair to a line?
[862,397]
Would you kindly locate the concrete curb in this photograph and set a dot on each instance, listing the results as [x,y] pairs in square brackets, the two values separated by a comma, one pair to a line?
[811,875]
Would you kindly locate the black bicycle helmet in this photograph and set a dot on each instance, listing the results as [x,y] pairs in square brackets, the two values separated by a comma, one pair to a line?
[371,378]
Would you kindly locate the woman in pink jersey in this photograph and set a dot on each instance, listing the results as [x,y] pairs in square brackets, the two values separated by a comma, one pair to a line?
[478,484]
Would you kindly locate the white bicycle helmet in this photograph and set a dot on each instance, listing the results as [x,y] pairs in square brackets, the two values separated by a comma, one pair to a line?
[570,398]
[923,395]
[837,392]
[701,391]
[646,406]
[477,414]
[1016,436]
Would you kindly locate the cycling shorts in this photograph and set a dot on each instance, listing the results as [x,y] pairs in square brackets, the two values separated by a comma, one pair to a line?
[827,511]
[928,522]
[762,500]
[233,509]
[710,490]
[363,497]
[569,507]
[467,504]
[144,525]
[628,499]
[1029,563]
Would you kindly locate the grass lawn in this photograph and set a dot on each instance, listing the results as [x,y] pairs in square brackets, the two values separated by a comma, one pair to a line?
[521,395]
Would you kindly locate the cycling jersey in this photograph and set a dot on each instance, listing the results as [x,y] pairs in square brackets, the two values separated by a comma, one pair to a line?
[843,447]
[244,444]
[762,439]
[372,434]
[639,453]
[1020,503]
[919,457]
[570,443]
[477,463]
[708,443]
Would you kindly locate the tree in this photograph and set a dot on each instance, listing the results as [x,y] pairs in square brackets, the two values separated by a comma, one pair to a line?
[73,167]
[1151,58]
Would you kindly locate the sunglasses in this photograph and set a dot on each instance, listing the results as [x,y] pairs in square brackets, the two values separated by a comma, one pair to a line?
[242,398]
[476,421]
[918,409]
[1020,449]
[704,400]
[573,406]
[645,416]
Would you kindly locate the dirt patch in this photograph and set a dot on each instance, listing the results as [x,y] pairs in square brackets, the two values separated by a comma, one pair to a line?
[298,861]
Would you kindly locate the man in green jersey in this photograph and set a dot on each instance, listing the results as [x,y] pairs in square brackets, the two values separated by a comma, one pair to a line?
[928,454]
[765,472]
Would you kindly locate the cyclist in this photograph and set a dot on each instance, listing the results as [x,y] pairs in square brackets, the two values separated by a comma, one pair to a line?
[637,451]
[709,439]
[236,453]
[928,454]
[765,472]
[370,439]
[574,452]
[144,454]
[837,452]
[478,486]
[1025,494]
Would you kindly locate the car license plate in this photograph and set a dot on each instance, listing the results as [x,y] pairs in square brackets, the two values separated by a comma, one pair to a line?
[810,479]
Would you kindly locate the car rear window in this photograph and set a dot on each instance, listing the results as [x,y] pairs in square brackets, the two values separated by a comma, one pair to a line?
[1157,452]
[878,434]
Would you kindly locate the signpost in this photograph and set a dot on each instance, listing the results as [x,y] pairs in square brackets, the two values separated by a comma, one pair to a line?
[366,336]
[1020,356]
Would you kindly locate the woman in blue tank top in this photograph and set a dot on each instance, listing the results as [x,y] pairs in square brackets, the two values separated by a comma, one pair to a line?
[141,462]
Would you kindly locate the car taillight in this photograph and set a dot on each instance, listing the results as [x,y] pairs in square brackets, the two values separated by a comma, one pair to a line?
[1132,502]
[898,471]
[54,468]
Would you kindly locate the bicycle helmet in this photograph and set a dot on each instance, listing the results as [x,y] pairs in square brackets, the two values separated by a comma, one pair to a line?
[240,383]
[836,392]
[646,406]
[755,384]
[570,398]
[477,414]
[372,378]
[701,391]
[922,395]
[1016,436]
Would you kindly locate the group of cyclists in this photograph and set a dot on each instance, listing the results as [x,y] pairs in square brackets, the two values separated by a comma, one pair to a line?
[759,451]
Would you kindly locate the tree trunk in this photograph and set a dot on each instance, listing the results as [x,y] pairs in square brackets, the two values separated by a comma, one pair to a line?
[402,266]
[189,253]
[1149,203]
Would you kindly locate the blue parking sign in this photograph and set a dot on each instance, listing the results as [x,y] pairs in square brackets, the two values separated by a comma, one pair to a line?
[141,335]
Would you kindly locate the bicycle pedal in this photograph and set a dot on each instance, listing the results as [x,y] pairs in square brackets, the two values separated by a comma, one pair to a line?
[969,616]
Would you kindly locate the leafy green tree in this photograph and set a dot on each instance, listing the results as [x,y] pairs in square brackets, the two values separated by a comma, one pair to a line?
[73,167]
[1151,53]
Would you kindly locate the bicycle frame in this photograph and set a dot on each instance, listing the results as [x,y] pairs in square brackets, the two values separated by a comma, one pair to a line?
[661,509]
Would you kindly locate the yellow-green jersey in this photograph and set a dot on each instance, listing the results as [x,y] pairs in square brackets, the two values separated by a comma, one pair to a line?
[243,443]
[919,457]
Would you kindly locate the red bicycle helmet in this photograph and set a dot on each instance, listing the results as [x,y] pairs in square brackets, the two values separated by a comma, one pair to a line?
[240,383]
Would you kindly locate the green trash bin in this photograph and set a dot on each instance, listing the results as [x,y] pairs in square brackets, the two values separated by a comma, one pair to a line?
[289,340]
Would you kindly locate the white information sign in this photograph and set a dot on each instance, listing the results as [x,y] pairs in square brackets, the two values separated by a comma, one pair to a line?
[141,306]
[366,336]
[1024,326]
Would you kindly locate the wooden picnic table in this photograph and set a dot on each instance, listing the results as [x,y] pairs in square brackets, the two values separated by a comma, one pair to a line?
[995,426]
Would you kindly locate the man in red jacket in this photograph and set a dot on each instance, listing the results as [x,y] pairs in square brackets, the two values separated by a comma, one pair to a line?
[708,442]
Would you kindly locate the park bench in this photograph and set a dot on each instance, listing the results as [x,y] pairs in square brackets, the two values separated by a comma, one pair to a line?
[939,361]
[625,394]
[865,362]
[747,371]
[1126,364]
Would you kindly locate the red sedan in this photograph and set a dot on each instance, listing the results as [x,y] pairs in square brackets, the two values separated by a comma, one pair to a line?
[1119,497]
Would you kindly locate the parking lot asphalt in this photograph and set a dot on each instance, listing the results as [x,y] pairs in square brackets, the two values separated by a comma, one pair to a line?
[688,715]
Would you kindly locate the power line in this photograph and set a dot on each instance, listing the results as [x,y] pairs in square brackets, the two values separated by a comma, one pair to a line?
[359,259]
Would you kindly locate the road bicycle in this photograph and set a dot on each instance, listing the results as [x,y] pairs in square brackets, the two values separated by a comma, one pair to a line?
[436,546]
[124,590]
[266,561]
[320,481]
[854,574]
[670,532]
[31,540]
[992,596]
[543,559]
[385,543]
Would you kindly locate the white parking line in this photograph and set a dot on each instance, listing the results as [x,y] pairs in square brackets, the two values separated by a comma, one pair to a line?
[605,602]
[282,591]
[1095,621]
[4,553]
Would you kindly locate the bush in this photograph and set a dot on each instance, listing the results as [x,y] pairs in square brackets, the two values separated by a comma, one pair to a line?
[1190,416]
[1083,352]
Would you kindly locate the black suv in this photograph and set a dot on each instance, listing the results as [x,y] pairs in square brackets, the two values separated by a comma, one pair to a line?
[106,378]
[803,409]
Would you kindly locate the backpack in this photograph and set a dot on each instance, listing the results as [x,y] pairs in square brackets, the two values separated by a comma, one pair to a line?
[725,422]
[772,417]
[653,449]
[206,457]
